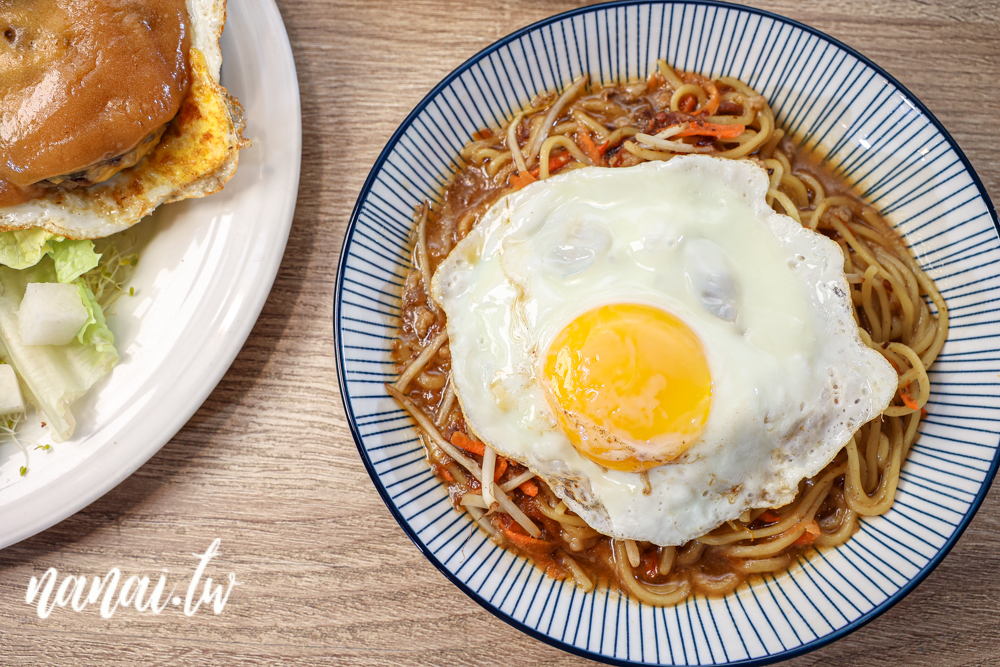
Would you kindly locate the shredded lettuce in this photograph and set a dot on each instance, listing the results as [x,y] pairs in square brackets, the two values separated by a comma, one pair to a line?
[24,248]
[54,376]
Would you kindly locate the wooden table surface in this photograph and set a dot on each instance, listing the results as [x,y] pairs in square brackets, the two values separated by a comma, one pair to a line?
[268,464]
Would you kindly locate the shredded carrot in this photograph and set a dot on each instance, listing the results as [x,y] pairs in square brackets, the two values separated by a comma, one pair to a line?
[447,475]
[808,537]
[688,103]
[463,441]
[589,147]
[473,446]
[524,541]
[500,469]
[529,488]
[560,160]
[712,130]
[770,517]
[521,179]
[908,400]
[555,163]
[603,148]
[923,412]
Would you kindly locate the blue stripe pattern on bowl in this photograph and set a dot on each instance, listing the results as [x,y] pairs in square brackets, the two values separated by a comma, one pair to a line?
[871,130]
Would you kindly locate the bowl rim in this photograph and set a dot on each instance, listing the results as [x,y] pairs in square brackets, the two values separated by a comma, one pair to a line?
[788,654]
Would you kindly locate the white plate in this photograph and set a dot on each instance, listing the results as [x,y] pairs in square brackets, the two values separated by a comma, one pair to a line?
[866,125]
[202,279]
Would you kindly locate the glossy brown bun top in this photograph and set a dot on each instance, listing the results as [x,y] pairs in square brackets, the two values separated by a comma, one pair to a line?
[86,81]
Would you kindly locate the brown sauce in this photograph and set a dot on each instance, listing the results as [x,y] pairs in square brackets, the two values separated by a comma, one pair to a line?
[82,83]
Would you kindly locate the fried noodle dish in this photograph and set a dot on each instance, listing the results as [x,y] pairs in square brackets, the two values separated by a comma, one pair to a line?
[898,311]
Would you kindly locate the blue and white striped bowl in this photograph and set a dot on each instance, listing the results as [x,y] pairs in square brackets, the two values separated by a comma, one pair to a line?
[875,133]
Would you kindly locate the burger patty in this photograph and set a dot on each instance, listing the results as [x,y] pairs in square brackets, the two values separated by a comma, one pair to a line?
[105,169]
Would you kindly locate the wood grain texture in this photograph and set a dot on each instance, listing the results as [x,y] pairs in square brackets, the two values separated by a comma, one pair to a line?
[268,464]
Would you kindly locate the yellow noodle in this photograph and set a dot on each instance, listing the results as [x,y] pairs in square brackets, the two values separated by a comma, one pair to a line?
[556,515]
[790,208]
[512,144]
[647,154]
[668,73]
[585,120]
[848,526]
[632,551]
[666,561]
[578,573]
[797,190]
[483,154]
[662,595]
[814,185]
[574,89]
[621,133]
[688,89]
[744,119]
[715,584]
[568,127]
[761,565]
[564,142]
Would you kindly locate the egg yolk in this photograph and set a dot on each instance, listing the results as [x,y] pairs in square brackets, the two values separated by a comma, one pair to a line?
[630,386]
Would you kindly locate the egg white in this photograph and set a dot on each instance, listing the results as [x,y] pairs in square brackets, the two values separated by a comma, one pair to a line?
[791,379]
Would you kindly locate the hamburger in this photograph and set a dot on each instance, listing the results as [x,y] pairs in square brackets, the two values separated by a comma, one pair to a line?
[109,108]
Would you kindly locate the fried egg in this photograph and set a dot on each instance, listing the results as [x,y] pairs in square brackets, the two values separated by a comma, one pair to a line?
[657,344]
[196,156]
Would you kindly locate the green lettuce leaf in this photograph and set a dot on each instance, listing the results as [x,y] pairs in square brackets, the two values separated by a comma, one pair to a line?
[54,376]
[72,258]
[24,248]
[95,331]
